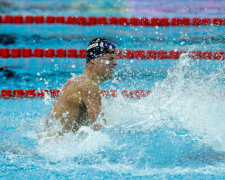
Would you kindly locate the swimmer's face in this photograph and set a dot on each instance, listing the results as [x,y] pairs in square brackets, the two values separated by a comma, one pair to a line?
[106,64]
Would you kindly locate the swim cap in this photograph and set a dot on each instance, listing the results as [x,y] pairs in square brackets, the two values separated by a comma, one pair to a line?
[98,47]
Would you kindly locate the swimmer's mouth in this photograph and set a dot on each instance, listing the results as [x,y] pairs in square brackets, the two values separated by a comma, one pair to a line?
[111,70]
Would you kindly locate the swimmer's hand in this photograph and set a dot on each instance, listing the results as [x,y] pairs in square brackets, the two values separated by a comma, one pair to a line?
[97,127]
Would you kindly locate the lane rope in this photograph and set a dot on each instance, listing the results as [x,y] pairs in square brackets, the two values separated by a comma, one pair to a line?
[32,93]
[53,93]
[121,21]
[121,54]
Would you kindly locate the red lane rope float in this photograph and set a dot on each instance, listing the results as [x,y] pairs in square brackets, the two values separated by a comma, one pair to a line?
[121,21]
[126,54]
[32,93]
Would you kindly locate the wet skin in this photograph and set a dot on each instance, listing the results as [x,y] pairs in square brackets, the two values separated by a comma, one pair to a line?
[79,103]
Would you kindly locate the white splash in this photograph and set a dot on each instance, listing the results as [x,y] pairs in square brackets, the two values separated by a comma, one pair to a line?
[85,141]
[194,99]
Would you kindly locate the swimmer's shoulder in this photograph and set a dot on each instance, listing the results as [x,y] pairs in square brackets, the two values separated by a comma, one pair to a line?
[79,86]
[82,82]
[73,83]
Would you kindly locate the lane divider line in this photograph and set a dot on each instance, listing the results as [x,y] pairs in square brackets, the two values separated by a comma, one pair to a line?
[121,21]
[121,54]
[41,93]
[32,93]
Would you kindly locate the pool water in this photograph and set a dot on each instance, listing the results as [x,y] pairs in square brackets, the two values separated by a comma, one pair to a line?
[177,132]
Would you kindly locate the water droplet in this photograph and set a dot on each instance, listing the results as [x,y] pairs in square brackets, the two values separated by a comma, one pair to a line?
[106,61]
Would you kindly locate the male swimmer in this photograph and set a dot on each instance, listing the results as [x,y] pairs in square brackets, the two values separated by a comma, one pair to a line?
[79,103]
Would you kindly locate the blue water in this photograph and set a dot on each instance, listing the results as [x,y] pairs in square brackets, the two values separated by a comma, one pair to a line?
[175,133]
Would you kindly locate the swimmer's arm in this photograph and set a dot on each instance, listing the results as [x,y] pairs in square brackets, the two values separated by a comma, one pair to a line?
[92,101]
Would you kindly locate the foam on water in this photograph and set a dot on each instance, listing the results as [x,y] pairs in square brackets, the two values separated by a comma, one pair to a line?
[195,100]
[86,141]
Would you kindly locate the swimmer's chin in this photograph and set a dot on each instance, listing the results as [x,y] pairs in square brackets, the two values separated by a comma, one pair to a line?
[110,76]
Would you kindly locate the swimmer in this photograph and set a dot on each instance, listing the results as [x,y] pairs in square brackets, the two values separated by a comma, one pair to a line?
[79,103]
[6,72]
